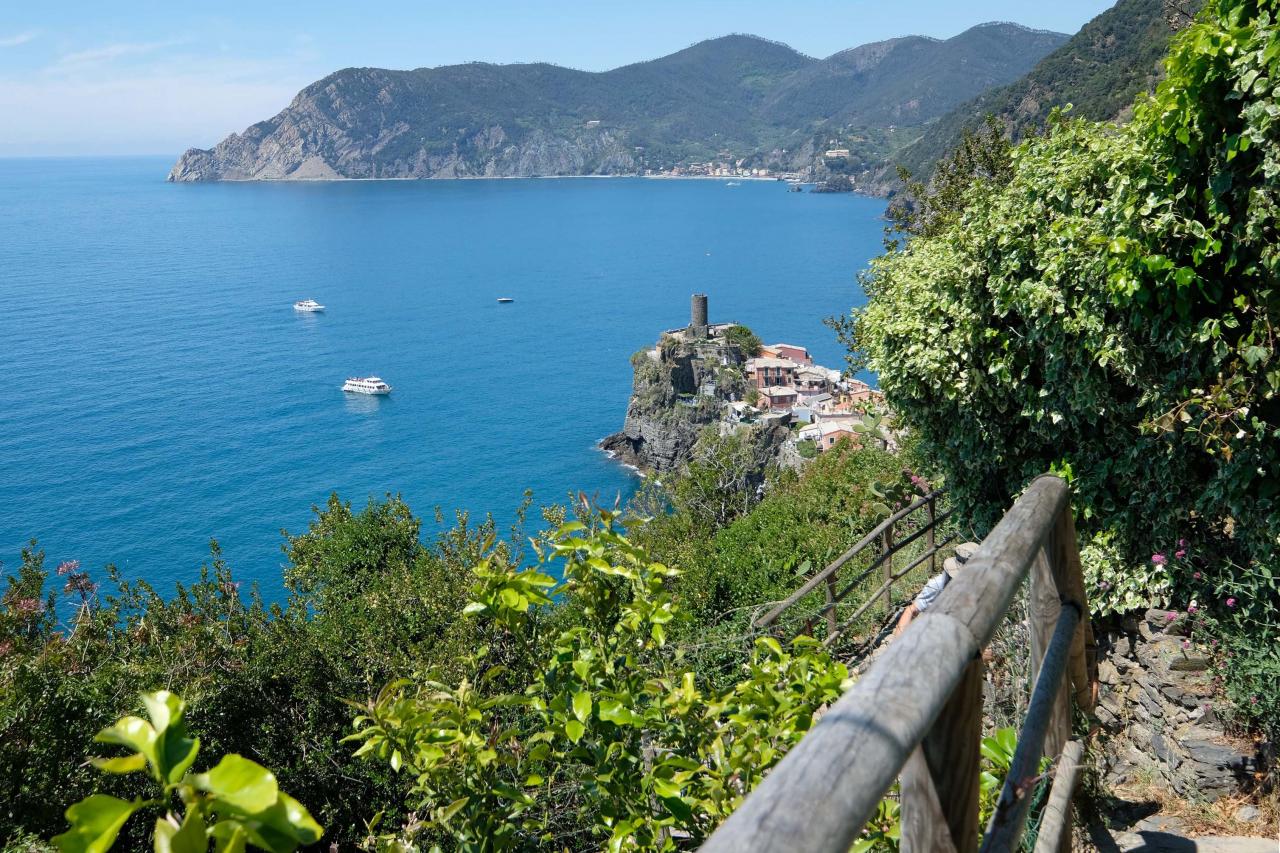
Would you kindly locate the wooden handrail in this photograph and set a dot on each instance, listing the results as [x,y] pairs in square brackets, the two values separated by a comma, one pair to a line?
[819,797]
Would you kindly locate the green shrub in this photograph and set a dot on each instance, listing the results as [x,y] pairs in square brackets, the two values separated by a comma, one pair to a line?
[744,339]
[609,741]
[1108,310]
[367,600]
[235,803]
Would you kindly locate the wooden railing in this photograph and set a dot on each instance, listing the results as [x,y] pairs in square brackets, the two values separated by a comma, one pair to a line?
[917,712]
[920,519]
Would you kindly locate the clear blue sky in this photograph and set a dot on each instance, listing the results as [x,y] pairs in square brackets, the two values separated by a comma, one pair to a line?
[143,76]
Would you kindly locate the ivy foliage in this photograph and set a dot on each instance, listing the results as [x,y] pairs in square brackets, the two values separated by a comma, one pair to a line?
[609,740]
[1108,309]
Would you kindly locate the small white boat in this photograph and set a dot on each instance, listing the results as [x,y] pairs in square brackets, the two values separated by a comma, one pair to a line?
[309,305]
[366,385]
[505,299]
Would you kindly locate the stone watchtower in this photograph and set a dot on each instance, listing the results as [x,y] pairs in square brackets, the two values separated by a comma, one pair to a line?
[698,316]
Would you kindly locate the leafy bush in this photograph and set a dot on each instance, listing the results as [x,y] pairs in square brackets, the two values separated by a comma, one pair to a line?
[608,738]
[1108,311]
[234,804]
[367,600]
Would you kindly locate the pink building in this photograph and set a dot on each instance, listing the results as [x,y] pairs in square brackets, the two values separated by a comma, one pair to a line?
[798,354]
[769,372]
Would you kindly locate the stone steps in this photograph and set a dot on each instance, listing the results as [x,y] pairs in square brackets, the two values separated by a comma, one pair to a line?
[1168,842]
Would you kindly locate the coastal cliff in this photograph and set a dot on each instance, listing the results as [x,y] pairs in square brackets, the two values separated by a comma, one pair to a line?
[739,101]
[666,414]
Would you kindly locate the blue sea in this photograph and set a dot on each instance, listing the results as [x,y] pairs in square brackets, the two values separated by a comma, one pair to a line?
[161,392]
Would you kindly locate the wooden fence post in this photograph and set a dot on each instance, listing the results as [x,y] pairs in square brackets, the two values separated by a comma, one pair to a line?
[888,565]
[951,765]
[933,555]
[1068,577]
[1043,607]
[832,623]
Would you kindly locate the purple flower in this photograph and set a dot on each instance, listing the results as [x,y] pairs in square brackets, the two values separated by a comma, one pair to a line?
[1231,602]
[1104,585]
[1192,608]
[1182,543]
[1159,559]
[1170,616]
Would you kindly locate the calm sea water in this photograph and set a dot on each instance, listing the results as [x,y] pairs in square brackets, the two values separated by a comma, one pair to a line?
[161,391]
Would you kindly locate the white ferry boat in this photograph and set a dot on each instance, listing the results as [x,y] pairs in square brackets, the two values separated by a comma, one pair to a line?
[366,385]
[307,305]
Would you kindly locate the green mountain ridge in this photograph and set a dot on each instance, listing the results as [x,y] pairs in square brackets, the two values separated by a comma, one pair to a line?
[1098,71]
[739,97]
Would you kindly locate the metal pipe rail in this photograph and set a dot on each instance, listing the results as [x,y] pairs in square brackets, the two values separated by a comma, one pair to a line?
[918,709]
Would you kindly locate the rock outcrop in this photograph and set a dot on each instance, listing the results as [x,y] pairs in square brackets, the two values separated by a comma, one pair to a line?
[675,397]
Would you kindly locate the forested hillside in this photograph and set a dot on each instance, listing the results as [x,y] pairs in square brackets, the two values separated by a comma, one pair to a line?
[1098,71]
[731,98]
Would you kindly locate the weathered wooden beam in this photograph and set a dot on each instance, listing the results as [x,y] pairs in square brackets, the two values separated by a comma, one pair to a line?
[1010,814]
[1055,823]
[922,822]
[1043,609]
[823,792]
[952,751]
[1068,577]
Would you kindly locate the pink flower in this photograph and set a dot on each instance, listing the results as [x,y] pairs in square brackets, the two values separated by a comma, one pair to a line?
[1159,559]
[1182,543]
[1196,576]
[6,647]
[1186,644]
[1213,643]
[1253,700]
[1180,553]
[1170,616]
[29,606]
[1231,602]
[66,567]
[1192,608]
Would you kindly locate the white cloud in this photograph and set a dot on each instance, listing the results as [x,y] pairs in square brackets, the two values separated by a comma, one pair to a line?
[137,114]
[83,59]
[145,97]
[18,38]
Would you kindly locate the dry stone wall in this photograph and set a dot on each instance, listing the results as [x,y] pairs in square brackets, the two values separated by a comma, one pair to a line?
[1158,709]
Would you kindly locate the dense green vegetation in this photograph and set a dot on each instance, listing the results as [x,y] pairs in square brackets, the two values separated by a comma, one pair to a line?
[1098,71]
[235,803]
[1106,307]
[369,603]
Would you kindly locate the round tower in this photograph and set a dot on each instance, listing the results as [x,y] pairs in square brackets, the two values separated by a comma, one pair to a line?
[698,315]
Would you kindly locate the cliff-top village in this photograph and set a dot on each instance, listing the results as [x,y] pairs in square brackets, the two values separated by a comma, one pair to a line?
[783,384]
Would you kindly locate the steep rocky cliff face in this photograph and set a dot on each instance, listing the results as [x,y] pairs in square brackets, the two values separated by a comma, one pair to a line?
[666,414]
